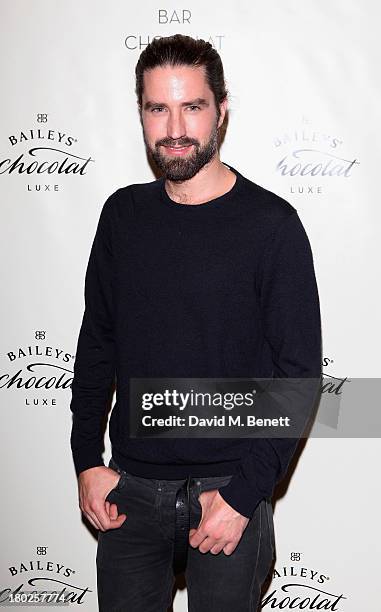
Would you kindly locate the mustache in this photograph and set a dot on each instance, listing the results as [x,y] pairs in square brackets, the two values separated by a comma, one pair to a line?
[166,143]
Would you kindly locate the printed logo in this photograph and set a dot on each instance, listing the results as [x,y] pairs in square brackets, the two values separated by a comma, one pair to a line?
[41,581]
[309,157]
[295,587]
[39,368]
[43,152]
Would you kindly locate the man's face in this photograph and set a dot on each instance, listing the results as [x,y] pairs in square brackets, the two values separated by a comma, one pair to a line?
[180,122]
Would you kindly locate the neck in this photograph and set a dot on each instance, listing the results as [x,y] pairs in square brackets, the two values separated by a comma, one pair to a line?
[213,180]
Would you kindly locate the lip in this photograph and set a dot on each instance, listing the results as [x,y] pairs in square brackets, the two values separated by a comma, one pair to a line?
[179,150]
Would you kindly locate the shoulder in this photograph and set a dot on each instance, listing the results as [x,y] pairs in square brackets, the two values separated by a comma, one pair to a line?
[269,209]
[121,202]
[279,222]
[137,191]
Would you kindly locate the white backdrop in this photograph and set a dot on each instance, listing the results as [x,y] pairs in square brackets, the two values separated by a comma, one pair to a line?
[304,81]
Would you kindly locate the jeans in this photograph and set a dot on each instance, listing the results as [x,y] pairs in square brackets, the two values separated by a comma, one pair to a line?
[134,561]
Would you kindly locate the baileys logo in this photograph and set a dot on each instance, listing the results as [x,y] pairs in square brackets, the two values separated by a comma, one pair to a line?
[38,367]
[309,155]
[302,588]
[43,152]
[42,581]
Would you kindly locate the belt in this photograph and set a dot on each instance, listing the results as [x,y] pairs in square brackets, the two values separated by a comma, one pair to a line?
[182,526]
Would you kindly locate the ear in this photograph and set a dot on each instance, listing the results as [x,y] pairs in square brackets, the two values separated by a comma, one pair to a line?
[223,109]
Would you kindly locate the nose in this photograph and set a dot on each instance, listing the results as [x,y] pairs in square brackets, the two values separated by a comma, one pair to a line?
[176,125]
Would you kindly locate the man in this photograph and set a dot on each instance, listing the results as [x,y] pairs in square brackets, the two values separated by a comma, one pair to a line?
[201,273]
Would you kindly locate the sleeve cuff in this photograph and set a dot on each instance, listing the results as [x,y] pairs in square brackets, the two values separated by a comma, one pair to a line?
[86,458]
[243,499]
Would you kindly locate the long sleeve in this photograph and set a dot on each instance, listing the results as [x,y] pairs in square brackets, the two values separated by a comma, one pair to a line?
[290,311]
[94,366]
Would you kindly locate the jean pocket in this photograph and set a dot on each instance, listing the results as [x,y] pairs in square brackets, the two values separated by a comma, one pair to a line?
[210,484]
[123,478]
[215,482]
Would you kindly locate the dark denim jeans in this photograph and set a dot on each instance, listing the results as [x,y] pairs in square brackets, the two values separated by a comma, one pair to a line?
[134,562]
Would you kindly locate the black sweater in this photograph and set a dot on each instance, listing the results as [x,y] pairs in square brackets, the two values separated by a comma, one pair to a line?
[221,289]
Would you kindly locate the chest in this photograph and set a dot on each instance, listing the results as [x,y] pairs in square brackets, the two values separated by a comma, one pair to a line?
[166,258]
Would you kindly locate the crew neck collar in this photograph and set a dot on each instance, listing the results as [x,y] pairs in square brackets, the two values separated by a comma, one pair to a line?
[219,202]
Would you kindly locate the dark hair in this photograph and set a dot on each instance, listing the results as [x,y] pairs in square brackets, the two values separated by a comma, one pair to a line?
[183,50]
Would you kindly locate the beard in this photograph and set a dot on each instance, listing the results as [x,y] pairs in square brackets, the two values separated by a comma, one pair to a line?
[179,169]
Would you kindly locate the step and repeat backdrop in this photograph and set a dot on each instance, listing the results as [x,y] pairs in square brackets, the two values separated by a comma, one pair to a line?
[304,117]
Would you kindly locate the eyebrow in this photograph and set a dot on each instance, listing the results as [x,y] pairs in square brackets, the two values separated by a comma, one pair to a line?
[196,102]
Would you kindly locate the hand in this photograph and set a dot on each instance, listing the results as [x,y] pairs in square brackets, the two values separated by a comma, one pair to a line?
[221,527]
[94,485]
